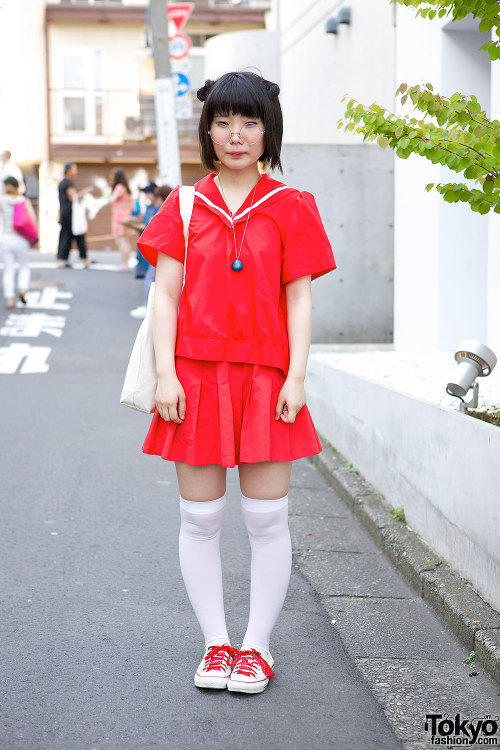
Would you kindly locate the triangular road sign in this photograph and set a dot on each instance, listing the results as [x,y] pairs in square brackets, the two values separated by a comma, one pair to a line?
[178,13]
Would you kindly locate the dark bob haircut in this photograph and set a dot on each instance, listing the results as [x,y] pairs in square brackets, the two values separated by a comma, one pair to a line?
[11,181]
[246,94]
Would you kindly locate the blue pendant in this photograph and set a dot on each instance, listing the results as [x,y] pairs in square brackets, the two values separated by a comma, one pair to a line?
[237,265]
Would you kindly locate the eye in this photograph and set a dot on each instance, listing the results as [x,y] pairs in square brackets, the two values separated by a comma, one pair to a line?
[250,124]
[221,124]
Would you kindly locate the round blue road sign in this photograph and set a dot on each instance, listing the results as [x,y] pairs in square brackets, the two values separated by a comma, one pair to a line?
[182,84]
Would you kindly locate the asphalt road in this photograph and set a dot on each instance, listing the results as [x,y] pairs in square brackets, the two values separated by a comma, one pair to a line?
[99,643]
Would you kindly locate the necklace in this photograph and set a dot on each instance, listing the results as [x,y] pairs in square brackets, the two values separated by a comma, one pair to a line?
[237,265]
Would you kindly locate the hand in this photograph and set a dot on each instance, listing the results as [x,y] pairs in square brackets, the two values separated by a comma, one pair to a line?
[291,399]
[171,399]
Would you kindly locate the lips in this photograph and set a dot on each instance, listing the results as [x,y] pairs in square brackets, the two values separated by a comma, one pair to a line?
[236,153]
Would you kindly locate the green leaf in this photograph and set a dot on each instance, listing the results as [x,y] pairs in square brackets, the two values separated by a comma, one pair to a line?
[429,186]
[488,186]
[472,172]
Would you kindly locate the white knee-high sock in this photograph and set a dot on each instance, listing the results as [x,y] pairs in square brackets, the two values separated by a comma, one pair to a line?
[199,557]
[267,525]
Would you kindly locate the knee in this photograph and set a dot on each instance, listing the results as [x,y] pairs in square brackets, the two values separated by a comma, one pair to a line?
[265,519]
[202,520]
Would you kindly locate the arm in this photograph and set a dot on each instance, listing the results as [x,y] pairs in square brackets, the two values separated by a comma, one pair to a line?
[299,307]
[117,193]
[169,273]
[83,192]
[134,224]
[71,193]
[299,325]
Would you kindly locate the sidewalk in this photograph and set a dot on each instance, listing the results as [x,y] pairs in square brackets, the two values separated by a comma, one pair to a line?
[411,660]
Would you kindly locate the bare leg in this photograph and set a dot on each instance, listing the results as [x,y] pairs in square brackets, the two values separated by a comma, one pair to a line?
[123,246]
[267,480]
[200,483]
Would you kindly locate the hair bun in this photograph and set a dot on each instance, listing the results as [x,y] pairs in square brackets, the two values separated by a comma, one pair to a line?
[273,88]
[203,93]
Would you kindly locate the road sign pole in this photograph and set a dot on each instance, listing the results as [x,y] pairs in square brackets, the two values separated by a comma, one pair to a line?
[167,140]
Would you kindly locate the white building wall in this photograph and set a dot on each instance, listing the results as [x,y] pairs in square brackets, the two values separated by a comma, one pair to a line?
[352,182]
[319,68]
[441,249]
[256,50]
[493,302]
[23,105]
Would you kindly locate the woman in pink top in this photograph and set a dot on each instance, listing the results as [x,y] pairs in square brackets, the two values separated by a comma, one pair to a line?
[121,210]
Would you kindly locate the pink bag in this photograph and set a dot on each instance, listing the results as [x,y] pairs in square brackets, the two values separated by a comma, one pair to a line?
[23,224]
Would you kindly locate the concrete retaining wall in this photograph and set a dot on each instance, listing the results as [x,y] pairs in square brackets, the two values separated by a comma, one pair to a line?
[443,467]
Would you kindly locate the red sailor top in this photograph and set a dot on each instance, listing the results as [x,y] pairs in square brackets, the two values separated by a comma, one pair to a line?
[239,316]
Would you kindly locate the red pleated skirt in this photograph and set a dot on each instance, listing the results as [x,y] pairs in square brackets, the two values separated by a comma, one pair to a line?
[230,418]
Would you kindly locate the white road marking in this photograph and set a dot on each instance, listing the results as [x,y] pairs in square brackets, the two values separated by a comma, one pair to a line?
[32,358]
[46,299]
[33,324]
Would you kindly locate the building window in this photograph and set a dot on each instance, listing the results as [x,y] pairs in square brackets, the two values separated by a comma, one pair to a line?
[74,113]
[81,90]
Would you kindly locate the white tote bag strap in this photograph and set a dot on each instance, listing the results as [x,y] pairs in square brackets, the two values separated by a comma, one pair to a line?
[186,200]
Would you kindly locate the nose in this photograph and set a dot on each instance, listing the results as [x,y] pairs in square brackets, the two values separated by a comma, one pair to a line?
[237,134]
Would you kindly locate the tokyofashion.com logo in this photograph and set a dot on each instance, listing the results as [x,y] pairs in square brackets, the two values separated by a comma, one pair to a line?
[458,732]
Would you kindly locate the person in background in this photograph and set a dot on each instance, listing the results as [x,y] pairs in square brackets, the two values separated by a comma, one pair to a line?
[67,194]
[14,247]
[9,169]
[121,211]
[157,198]
[149,192]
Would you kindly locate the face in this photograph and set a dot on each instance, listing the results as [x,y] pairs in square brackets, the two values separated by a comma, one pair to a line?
[10,189]
[238,152]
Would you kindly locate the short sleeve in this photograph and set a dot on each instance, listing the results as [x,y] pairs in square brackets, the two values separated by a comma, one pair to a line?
[164,233]
[307,249]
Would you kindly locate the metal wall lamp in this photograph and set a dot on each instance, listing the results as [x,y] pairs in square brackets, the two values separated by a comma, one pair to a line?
[343,16]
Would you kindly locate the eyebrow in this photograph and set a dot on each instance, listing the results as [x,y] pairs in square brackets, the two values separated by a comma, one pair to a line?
[221,114]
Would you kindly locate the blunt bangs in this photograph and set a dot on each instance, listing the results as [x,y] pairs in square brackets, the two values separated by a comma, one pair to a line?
[233,93]
[248,95]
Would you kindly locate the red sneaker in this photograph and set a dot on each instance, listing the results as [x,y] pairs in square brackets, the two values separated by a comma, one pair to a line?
[215,666]
[251,672]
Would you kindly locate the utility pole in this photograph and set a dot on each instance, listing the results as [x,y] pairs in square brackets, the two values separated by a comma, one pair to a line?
[167,139]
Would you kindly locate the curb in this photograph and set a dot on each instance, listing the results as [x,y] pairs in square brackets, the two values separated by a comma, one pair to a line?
[452,597]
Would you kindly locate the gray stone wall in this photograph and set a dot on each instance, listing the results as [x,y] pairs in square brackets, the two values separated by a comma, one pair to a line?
[354,190]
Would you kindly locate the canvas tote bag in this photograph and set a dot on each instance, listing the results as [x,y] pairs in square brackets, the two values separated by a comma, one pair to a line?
[139,388]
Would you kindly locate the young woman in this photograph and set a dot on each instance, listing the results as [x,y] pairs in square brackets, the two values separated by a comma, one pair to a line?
[14,247]
[121,210]
[231,355]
